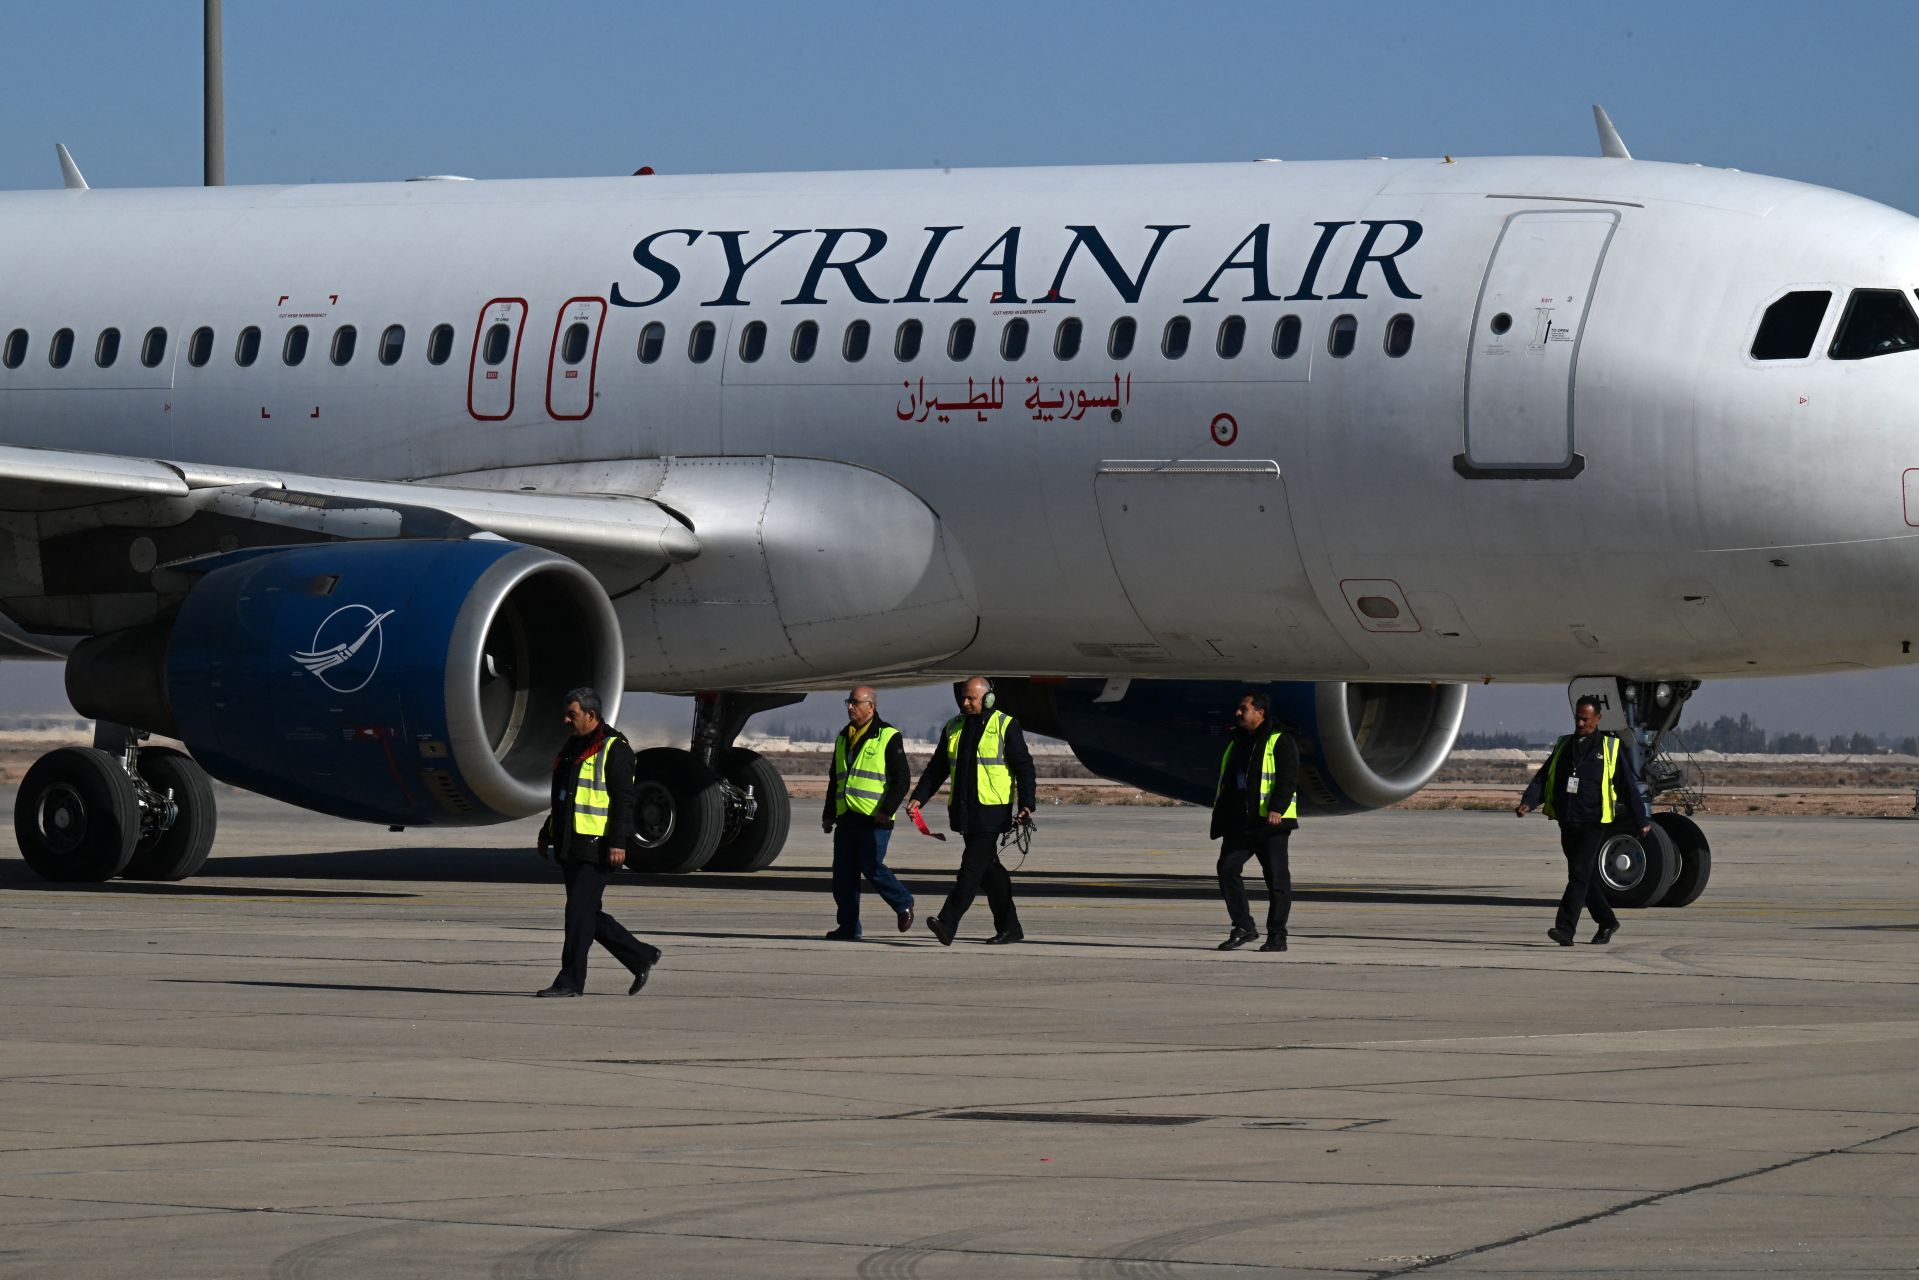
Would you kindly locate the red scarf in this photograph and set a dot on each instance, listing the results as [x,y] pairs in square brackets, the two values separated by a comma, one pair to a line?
[592,747]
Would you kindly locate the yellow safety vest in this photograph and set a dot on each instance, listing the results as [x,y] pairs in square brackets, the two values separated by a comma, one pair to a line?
[591,799]
[1609,751]
[860,787]
[1264,780]
[994,781]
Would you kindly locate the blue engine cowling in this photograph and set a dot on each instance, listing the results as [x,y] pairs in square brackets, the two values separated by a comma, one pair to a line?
[408,682]
[1361,746]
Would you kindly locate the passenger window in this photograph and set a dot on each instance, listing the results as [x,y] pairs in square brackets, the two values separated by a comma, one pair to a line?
[858,334]
[61,349]
[1119,339]
[699,343]
[1341,338]
[752,342]
[153,348]
[1172,343]
[200,347]
[1877,322]
[1790,325]
[493,348]
[906,343]
[246,349]
[1066,338]
[344,338]
[652,342]
[15,351]
[294,348]
[392,343]
[806,340]
[573,342]
[1399,335]
[1012,340]
[959,340]
[1232,337]
[439,344]
[107,349]
[1286,337]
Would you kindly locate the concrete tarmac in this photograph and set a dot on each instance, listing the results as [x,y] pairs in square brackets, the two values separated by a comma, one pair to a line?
[320,1059]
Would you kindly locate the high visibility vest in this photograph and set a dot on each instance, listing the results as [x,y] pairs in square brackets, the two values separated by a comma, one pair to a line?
[860,786]
[1609,752]
[592,801]
[994,780]
[1263,781]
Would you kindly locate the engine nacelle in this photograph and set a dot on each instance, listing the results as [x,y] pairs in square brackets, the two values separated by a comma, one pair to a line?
[1361,746]
[407,682]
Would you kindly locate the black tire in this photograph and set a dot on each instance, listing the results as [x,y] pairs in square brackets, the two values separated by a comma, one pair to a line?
[757,843]
[76,817]
[1695,859]
[181,849]
[1637,871]
[677,812]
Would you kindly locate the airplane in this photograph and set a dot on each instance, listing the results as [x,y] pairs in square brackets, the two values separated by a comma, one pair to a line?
[1129,438]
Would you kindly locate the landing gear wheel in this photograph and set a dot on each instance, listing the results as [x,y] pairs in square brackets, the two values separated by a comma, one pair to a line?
[678,812]
[1638,871]
[182,849]
[76,816]
[1695,859]
[759,841]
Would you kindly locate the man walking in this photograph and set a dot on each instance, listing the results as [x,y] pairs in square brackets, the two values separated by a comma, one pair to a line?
[986,754]
[1255,811]
[869,780]
[587,832]
[1583,788]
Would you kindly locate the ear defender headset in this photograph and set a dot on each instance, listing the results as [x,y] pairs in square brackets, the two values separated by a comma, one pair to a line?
[985,703]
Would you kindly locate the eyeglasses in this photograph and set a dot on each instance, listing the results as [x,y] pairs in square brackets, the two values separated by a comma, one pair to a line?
[855,702]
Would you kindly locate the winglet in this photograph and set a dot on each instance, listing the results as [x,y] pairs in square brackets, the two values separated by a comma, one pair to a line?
[69,171]
[1610,144]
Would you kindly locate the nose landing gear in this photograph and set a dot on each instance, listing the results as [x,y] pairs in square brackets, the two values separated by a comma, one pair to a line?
[1668,867]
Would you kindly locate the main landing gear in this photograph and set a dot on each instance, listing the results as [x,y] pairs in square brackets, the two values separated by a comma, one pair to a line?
[117,808]
[716,806]
[1670,866]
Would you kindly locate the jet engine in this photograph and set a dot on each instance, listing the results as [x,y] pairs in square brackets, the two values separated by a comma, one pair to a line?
[408,682]
[1361,746]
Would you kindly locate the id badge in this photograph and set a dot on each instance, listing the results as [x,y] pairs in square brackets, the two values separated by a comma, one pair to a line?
[1572,785]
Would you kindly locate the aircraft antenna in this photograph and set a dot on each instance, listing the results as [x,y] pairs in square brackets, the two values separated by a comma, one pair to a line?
[69,171]
[214,102]
[1610,143]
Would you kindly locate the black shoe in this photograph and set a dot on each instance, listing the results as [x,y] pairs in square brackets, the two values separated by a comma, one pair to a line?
[1237,939]
[1274,944]
[906,918]
[941,930]
[1606,931]
[1561,936]
[843,935]
[1005,936]
[557,990]
[639,979]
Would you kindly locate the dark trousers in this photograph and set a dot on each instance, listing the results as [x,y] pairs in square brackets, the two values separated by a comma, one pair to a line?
[586,924]
[1584,888]
[980,868]
[1269,846]
[860,850]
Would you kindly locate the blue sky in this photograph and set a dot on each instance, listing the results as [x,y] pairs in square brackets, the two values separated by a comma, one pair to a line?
[352,90]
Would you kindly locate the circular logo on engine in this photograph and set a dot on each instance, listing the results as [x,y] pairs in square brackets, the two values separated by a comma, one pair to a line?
[347,646]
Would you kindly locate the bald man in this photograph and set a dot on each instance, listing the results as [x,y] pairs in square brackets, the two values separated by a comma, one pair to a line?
[870,777]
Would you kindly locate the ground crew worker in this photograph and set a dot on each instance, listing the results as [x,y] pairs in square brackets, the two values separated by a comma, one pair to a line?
[992,772]
[1585,784]
[1255,810]
[587,832]
[869,780]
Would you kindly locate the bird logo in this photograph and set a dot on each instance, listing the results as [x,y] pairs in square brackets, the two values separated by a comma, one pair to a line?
[348,663]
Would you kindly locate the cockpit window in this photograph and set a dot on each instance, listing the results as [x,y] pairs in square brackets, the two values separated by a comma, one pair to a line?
[1790,325]
[1877,322]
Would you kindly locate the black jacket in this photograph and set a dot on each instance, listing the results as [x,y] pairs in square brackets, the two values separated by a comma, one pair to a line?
[1236,811]
[567,844]
[1582,809]
[963,809]
[898,778]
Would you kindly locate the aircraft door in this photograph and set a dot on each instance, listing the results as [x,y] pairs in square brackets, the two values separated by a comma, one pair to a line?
[1525,345]
[1166,522]
[492,379]
[573,361]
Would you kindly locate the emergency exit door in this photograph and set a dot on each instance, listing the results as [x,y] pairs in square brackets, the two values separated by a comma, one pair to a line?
[492,379]
[1524,358]
[572,364]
